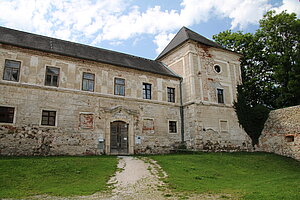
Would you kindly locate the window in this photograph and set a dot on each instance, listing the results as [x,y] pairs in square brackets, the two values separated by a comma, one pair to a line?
[48,118]
[11,70]
[217,68]
[220,94]
[146,91]
[172,127]
[6,114]
[88,81]
[171,94]
[120,86]
[289,138]
[52,76]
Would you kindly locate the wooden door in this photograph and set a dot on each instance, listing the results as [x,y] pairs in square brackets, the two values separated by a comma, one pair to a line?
[118,137]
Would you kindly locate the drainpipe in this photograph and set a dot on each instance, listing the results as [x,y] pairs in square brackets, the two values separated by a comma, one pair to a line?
[181,112]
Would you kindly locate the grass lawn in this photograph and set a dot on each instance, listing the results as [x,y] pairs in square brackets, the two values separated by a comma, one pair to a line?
[57,176]
[247,175]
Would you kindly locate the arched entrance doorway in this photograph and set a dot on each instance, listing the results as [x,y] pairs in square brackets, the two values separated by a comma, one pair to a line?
[118,137]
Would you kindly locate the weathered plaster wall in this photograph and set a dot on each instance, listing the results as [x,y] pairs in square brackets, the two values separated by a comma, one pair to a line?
[209,125]
[29,96]
[281,133]
[213,128]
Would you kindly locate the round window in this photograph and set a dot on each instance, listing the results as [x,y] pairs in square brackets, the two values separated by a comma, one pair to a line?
[217,68]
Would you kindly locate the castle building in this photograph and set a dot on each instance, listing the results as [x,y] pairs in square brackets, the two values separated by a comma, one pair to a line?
[64,98]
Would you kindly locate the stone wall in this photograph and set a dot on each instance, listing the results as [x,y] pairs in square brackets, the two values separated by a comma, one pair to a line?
[213,128]
[83,117]
[281,133]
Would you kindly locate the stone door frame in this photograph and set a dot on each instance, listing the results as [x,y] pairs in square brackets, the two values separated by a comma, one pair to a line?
[120,113]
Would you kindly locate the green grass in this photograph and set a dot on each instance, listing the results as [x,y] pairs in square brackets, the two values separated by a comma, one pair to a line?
[246,175]
[57,176]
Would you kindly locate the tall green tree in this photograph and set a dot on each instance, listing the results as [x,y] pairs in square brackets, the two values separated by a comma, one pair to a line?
[270,68]
[271,60]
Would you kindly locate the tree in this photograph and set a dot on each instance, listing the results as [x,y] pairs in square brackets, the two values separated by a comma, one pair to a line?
[271,60]
[270,68]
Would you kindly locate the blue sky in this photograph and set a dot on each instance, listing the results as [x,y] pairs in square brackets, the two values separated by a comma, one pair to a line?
[138,27]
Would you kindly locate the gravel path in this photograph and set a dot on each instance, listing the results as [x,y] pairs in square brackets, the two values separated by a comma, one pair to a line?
[136,180]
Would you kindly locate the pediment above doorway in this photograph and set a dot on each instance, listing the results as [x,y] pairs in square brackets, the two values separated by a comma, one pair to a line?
[120,110]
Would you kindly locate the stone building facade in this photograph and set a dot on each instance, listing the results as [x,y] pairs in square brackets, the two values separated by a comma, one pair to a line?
[210,78]
[281,133]
[63,98]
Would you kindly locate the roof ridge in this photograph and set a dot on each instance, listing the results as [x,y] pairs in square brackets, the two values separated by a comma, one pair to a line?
[185,34]
[76,43]
[191,31]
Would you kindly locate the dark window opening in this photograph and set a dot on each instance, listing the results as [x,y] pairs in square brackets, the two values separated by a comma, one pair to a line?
[11,70]
[120,86]
[171,94]
[289,138]
[52,76]
[220,93]
[172,127]
[6,114]
[146,91]
[88,81]
[217,68]
[48,118]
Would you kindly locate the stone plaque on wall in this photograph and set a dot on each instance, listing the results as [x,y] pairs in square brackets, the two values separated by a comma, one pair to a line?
[86,121]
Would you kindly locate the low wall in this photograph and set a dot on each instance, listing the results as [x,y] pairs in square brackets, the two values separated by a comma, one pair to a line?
[281,133]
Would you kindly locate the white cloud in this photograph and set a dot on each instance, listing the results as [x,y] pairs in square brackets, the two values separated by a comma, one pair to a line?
[162,40]
[290,6]
[70,19]
[94,21]
[116,43]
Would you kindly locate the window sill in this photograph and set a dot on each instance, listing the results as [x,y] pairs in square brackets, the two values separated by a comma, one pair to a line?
[7,124]
[46,126]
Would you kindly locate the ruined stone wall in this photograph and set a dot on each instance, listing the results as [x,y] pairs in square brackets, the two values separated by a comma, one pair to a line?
[281,133]
[209,125]
[83,117]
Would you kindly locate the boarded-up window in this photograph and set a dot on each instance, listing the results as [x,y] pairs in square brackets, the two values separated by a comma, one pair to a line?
[148,126]
[223,125]
[86,121]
